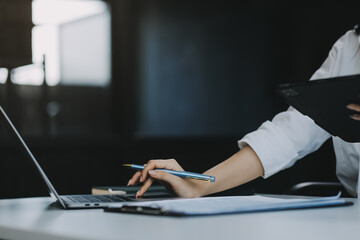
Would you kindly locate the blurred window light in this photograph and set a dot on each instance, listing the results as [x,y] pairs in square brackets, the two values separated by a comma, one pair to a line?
[74,35]
[32,74]
[54,12]
[45,43]
[3,75]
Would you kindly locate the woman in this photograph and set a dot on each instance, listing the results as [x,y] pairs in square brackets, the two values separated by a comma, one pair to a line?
[277,144]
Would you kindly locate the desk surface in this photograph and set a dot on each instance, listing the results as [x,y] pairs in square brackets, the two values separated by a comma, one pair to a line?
[37,218]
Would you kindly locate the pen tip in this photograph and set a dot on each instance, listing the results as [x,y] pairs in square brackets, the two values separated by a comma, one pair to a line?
[127,165]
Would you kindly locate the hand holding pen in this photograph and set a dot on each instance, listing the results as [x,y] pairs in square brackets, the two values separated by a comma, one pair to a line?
[182,174]
[180,186]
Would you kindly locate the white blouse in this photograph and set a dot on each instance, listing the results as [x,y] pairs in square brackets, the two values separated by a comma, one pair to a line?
[291,135]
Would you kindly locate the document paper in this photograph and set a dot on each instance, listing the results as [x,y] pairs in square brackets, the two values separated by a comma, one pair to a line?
[234,204]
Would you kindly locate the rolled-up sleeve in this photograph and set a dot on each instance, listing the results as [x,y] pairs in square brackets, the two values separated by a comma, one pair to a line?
[287,138]
[291,135]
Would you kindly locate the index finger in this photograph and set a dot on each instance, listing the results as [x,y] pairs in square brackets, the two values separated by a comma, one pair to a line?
[153,164]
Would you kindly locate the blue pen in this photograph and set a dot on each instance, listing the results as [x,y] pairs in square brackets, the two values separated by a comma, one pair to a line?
[181,174]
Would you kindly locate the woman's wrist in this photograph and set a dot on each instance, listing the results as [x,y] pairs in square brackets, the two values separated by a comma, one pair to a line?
[197,188]
[202,188]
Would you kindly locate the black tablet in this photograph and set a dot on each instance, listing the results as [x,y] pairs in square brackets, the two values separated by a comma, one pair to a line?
[325,101]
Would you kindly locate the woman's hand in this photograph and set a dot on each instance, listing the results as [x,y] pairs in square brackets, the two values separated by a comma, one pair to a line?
[181,187]
[354,107]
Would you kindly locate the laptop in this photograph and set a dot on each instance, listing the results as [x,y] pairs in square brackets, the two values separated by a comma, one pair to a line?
[325,102]
[69,201]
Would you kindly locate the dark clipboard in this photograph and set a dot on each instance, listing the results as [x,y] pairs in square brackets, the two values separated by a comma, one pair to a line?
[325,101]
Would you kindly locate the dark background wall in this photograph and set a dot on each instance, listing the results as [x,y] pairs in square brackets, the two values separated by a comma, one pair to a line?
[189,78]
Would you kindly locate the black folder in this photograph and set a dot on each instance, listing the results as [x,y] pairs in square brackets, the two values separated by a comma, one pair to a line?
[325,102]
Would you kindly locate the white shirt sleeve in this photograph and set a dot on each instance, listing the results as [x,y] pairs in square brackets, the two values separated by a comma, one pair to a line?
[291,135]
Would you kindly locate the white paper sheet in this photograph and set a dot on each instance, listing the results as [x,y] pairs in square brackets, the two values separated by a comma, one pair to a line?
[222,205]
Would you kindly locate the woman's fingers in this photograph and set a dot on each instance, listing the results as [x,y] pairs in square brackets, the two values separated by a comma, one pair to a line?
[144,187]
[142,176]
[355,116]
[156,164]
[180,187]
[162,176]
[353,106]
[135,179]
[177,185]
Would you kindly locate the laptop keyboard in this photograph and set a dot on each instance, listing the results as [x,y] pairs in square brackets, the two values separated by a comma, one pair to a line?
[94,198]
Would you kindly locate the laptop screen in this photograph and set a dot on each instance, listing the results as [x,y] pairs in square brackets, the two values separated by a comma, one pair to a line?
[50,187]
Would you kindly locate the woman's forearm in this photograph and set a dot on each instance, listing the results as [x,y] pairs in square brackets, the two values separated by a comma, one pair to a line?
[240,168]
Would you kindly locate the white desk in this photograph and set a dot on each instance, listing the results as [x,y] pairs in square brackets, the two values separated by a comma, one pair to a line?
[34,218]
